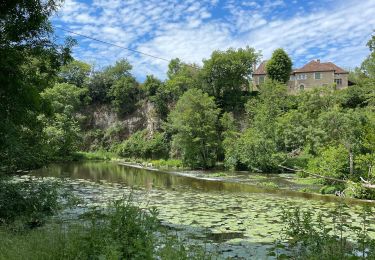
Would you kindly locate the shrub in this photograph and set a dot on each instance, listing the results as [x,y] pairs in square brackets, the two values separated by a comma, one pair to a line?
[356,190]
[29,202]
[140,145]
[310,237]
[332,162]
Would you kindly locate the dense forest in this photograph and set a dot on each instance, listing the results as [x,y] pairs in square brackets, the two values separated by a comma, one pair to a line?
[206,116]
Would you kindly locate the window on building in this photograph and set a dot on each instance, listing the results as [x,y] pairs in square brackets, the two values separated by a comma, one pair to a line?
[261,79]
[301,76]
[301,87]
[291,78]
[338,82]
[318,75]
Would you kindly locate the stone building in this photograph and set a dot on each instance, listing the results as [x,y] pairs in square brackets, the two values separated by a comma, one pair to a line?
[312,74]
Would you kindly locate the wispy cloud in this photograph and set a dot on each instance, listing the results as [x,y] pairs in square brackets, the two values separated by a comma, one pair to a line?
[192,29]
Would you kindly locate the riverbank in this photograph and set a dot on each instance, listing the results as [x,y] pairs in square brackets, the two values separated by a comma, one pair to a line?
[234,218]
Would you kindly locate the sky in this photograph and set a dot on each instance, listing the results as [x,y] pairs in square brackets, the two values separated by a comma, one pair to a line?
[328,30]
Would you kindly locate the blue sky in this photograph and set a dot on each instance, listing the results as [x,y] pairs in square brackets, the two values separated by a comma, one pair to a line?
[329,30]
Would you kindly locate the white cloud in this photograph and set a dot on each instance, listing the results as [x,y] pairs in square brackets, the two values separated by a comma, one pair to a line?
[190,30]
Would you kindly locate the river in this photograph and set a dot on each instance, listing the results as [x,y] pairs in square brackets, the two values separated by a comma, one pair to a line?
[235,214]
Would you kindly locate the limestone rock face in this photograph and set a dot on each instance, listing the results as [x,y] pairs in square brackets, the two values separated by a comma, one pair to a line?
[103,117]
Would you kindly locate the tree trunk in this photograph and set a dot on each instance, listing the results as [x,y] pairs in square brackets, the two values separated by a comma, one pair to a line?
[351,163]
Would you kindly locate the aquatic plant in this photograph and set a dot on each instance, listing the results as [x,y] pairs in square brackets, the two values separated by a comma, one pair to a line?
[308,236]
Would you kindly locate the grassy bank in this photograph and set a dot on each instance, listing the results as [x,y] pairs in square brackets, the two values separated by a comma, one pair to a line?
[120,230]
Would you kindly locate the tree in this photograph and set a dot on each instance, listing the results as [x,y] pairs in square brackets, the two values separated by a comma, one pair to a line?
[174,67]
[124,93]
[64,97]
[61,131]
[331,162]
[181,77]
[75,72]
[254,151]
[345,128]
[226,74]
[151,86]
[368,65]
[30,61]
[101,82]
[279,67]
[194,122]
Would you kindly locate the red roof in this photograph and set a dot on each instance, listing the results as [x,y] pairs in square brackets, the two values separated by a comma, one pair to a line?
[316,65]
[312,66]
[261,69]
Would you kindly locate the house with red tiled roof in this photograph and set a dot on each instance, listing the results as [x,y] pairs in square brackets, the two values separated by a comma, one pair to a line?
[312,74]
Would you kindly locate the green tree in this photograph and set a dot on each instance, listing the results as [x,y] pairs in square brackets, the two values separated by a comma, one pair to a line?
[30,61]
[368,65]
[101,82]
[279,67]
[125,95]
[194,122]
[181,77]
[61,131]
[75,72]
[226,74]
[331,162]
[345,128]
[64,98]
[151,86]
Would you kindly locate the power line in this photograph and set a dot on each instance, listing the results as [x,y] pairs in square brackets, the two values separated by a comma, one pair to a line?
[115,45]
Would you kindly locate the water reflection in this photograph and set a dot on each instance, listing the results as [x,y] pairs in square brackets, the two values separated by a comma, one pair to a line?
[246,218]
[135,177]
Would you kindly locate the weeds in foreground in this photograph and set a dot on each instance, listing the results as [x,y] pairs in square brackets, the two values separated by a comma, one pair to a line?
[308,236]
[119,231]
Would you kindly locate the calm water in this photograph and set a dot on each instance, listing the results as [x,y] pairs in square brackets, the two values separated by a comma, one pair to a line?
[239,218]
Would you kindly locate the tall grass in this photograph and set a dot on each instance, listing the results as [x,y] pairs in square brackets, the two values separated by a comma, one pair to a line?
[120,231]
[309,236]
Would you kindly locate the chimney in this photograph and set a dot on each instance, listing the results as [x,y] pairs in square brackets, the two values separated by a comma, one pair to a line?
[318,60]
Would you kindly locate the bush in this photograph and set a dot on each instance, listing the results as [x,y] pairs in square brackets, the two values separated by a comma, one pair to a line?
[330,189]
[356,190]
[29,202]
[332,162]
[140,145]
[310,237]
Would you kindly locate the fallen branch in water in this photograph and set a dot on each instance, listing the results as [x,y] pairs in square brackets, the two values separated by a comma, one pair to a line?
[366,184]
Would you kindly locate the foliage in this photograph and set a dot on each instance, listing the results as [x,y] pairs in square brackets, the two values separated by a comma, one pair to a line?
[151,86]
[357,190]
[226,74]
[181,77]
[61,129]
[75,72]
[30,62]
[142,145]
[125,94]
[122,231]
[194,123]
[279,67]
[64,98]
[368,65]
[311,237]
[29,202]
[331,162]
[170,163]
[99,155]
[253,151]
[101,82]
